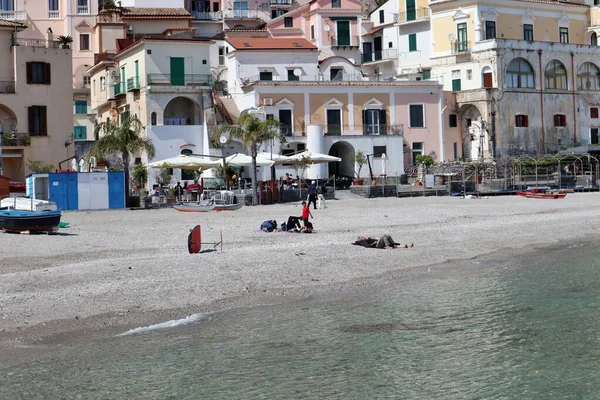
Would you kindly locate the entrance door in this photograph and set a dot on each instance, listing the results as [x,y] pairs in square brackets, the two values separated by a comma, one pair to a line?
[177,71]
[377,49]
[285,119]
[334,122]
[372,122]
[594,135]
[367,52]
[240,9]
[411,13]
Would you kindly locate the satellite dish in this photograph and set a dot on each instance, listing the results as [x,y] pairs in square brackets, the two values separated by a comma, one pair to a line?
[297,72]
[327,28]
[451,37]
[223,139]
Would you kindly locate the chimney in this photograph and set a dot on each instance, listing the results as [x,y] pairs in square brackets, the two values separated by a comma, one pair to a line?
[50,38]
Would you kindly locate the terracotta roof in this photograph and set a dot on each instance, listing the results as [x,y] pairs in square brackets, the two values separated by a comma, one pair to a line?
[270,44]
[558,3]
[12,24]
[154,13]
[122,44]
[377,29]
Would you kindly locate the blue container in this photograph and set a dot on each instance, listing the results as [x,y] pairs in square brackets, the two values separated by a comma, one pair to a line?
[116,190]
[63,190]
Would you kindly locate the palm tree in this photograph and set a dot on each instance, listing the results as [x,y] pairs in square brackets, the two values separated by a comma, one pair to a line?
[253,131]
[123,139]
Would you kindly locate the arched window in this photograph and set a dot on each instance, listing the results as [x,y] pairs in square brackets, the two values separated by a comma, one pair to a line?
[556,75]
[153,118]
[594,39]
[519,74]
[588,77]
[186,152]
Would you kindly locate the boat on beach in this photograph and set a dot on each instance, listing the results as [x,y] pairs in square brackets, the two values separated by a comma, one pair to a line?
[541,194]
[227,207]
[17,221]
[194,207]
[27,204]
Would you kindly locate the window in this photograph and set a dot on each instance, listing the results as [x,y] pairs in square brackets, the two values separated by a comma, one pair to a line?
[488,78]
[381,16]
[86,81]
[588,77]
[80,107]
[519,74]
[564,35]
[378,151]
[374,122]
[416,115]
[334,121]
[102,83]
[312,32]
[343,33]
[84,42]
[124,116]
[288,22]
[521,121]
[291,76]
[453,120]
[80,133]
[594,112]
[7,5]
[411,10]
[266,76]
[277,13]
[215,6]
[37,120]
[593,135]
[426,74]
[528,32]
[38,73]
[456,86]
[149,51]
[221,55]
[336,74]
[560,120]
[336,3]
[490,29]
[412,42]
[53,5]
[469,74]
[455,148]
[418,149]
[462,43]
[153,118]
[390,45]
[594,39]
[556,75]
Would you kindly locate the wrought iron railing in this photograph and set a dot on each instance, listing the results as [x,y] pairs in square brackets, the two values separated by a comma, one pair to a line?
[356,130]
[221,107]
[281,2]
[52,44]
[118,89]
[207,16]
[351,41]
[7,87]
[462,46]
[247,14]
[414,14]
[133,83]
[180,80]
[387,54]
[340,77]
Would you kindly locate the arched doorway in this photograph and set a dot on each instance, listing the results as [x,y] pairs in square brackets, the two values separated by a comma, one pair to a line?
[345,151]
[181,111]
[474,138]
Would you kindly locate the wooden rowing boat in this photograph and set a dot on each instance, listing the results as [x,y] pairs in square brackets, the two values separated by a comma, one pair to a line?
[194,207]
[541,194]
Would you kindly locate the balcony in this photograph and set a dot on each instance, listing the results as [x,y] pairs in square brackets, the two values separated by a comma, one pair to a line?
[133,84]
[312,78]
[280,3]
[352,42]
[7,87]
[53,14]
[187,80]
[115,91]
[380,56]
[42,43]
[207,16]
[411,16]
[99,57]
[19,16]
[357,130]
[247,14]
[83,10]
[21,140]
[461,47]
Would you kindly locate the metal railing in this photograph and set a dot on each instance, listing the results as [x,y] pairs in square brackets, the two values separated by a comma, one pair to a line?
[416,14]
[36,43]
[133,83]
[21,139]
[118,89]
[356,130]
[54,14]
[352,41]
[247,14]
[83,10]
[381,55]
[461,47]
[7,87]
[280,2]
[180,80]
[207,16]
[13,15]
[310,78]
[221,107]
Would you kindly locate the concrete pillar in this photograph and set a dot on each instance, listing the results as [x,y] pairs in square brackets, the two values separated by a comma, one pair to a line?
[315,142]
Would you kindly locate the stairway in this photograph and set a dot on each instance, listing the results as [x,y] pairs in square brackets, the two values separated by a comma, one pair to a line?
[231,107]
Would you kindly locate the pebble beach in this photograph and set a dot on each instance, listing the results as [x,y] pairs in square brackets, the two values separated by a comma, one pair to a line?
[111,271]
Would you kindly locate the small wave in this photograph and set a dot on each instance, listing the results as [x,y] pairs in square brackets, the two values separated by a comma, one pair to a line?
[190,319]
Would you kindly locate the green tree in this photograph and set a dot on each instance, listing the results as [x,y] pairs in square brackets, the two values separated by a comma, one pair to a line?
[253,131]
[38,167]
[123,139]
[360,159]
[140,175]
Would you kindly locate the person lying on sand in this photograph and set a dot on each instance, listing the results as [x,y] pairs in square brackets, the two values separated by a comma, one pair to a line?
[380,243]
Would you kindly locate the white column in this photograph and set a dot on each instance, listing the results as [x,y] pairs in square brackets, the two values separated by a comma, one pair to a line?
[319,31]
[351,111]
[315,142]
[392,109]
[442,153]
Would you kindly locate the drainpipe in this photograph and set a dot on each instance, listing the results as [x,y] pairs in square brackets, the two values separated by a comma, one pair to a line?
[543,147]
[441,122]
[574,103]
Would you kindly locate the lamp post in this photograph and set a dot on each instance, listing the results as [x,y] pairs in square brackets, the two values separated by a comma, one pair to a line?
[490,128]
[13,129]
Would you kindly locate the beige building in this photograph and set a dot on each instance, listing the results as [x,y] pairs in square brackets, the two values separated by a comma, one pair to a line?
[33,78]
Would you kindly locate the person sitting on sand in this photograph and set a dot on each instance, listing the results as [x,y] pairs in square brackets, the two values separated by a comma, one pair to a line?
[293,223]
[380,243]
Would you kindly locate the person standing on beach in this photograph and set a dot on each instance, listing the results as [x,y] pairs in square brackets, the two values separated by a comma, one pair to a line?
[306,213]
[312,194]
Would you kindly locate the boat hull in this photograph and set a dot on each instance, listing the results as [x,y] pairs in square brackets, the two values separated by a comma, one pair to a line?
[27,221]
[227,207]
[533,195]
[193,207]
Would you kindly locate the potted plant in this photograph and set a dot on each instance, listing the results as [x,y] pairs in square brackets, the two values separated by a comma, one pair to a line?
[65,41]
[359,159]
[171,199]
[426,161]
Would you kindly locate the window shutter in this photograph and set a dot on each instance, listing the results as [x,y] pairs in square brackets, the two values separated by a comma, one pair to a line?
[382,122]
[43,118]
[556,120]
[517,121]
[29,70]
[364,121]
[526,121]
[47,73]
[31,118]
[412,42]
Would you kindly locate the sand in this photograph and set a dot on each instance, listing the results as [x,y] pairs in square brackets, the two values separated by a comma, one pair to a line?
[114,270]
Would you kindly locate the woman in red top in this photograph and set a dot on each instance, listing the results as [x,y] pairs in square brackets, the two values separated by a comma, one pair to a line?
[306,213]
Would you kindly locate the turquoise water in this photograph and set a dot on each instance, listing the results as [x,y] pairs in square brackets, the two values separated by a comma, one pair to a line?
[502,327]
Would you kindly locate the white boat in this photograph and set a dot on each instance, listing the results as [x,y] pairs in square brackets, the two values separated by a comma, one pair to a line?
[194,207]
[27,204]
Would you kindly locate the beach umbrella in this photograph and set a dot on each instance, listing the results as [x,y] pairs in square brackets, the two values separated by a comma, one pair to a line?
[244,160]
[278,158]
[315,158]
[185,162]
[384,164]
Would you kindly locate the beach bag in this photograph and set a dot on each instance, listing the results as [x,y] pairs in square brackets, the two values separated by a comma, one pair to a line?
[283,226]
[267,226]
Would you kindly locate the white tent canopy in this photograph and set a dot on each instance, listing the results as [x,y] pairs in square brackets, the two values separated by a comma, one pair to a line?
[185,162]
[315,158]
[278,158]
[243,160]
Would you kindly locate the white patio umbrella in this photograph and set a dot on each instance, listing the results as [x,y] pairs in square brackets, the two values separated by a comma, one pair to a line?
[315,158]
[384,164]
[185,162]
[244,160]
[278,158]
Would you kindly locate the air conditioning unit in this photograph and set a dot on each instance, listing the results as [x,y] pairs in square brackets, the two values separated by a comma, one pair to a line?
[115,75]
[267,102]
[129,29]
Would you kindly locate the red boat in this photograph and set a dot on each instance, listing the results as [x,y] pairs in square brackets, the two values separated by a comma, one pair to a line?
[16,187]
[541,194]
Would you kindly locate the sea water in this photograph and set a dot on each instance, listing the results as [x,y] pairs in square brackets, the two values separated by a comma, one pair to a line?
[509,326]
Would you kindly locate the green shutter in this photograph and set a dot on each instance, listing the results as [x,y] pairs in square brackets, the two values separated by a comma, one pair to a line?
[426,74]
[411,10]
[80,107]
[456,85]
[343,33]
[312,32]
[137,74]
[412,42]
[80,133]
[177,71]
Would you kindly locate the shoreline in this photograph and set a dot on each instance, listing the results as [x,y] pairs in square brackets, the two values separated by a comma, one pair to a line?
[243,279]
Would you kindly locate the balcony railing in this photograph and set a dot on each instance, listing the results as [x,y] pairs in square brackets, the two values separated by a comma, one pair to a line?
[7,87]
[21,139]
[180,80]
[381,55]
[416,14]
[36,43]
[13,15]
[83,10]
[119,89]
[54,14]
[352,41]
[279,3]
[356,130]
[312,78]
[208,16]
[247,14]
[133,83]
[460,47]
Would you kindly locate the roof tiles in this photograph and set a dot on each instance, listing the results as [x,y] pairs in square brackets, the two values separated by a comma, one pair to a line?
[271,44]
